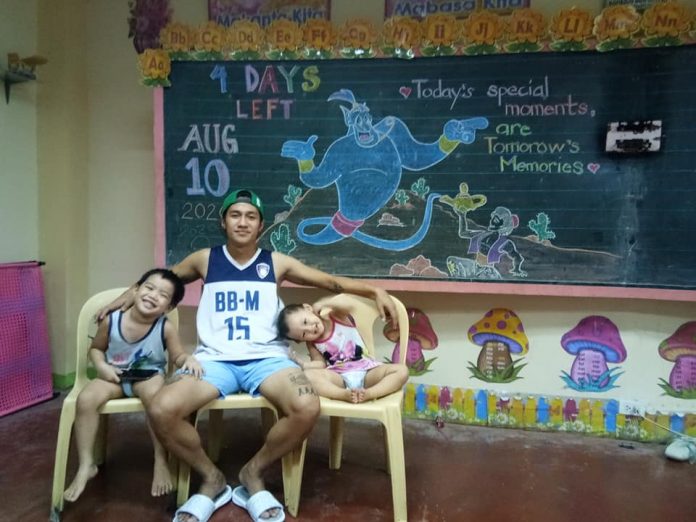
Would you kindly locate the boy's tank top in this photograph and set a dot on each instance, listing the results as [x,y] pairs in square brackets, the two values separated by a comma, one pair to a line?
[239,307]
[147,352]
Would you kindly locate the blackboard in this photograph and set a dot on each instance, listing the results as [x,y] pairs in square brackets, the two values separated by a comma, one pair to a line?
[546,203]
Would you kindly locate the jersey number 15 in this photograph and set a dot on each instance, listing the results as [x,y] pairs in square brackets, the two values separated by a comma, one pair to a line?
[237,328]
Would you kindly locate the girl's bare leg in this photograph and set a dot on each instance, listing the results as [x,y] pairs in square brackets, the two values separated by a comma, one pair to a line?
[328,384]
[383,380]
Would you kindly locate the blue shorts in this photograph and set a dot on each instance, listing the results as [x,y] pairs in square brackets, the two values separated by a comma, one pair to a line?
[127,388]
[234,376]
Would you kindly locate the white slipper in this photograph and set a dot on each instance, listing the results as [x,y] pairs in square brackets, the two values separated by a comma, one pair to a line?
[682,449]
[202,507]
[257,504]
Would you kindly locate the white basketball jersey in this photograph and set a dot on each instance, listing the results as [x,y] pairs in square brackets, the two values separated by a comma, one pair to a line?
[239,307]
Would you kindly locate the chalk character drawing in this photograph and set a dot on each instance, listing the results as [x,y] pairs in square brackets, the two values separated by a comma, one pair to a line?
[490,245]
[366,166]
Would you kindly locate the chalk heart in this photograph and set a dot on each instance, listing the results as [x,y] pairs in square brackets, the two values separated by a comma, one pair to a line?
[593,167]
[405,91]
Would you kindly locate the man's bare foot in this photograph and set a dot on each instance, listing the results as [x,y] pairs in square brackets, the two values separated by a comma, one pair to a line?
[78,484]
[210,487]
[161,479]
[253,484]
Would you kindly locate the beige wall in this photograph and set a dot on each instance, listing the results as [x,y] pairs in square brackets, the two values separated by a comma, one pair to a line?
[88,206]
[63,149]
[19,224]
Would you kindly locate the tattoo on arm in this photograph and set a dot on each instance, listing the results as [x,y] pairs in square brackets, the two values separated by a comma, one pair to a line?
[337,288]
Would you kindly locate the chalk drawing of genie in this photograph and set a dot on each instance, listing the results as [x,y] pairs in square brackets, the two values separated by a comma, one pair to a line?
[366,165]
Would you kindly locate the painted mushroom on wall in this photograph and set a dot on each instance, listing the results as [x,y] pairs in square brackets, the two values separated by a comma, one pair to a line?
[499,333]
[594,342]
[421,336]
[680,348]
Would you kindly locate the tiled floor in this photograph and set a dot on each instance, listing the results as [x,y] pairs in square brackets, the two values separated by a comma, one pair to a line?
[456,473]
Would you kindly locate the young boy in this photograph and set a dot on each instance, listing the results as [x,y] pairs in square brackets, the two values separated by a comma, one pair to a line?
[127,344]
[339,369]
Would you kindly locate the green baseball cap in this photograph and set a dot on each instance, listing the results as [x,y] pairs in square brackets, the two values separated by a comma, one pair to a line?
[242,196]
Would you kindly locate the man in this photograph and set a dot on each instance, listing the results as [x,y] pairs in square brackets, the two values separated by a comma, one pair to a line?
[240,351]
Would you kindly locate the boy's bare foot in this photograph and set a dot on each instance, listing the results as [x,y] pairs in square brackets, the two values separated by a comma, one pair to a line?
[161,479]
[254,483]
[78,484]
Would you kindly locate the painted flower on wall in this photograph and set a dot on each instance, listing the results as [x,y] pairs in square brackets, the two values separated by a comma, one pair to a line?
[145,21]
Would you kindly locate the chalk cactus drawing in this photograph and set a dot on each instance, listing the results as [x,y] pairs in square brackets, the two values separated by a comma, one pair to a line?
[541,227]
[293,195]
[281,240]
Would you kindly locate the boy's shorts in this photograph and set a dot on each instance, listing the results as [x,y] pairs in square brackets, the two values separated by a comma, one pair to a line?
[127,385]
[127,388]
[231,377]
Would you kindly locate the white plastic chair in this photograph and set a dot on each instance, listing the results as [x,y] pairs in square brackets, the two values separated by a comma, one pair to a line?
[386,410]
[67,414]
